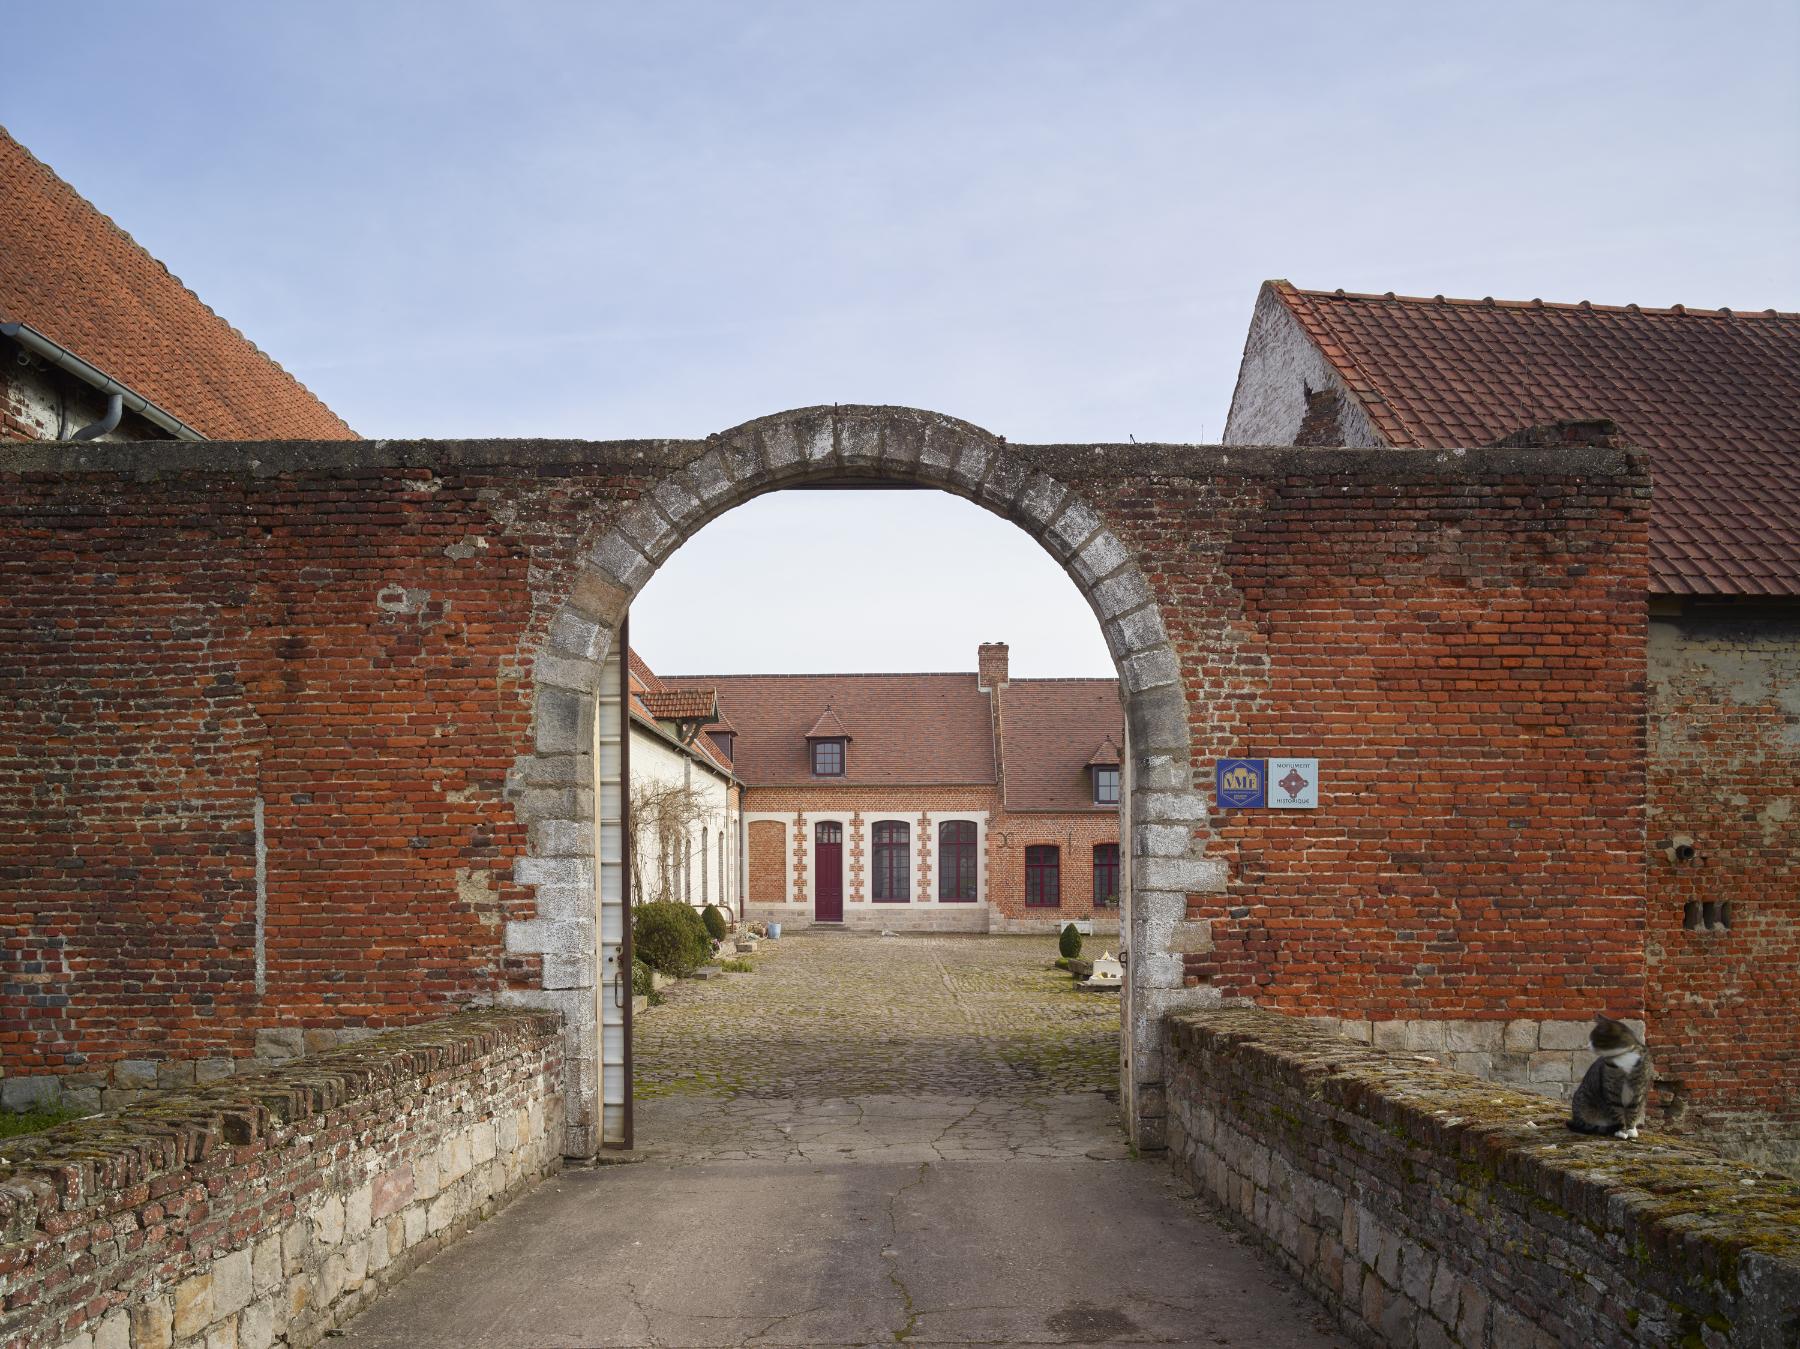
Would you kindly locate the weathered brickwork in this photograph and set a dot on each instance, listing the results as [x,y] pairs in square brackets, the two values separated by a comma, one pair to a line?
[270,1209]
[1475,697]
[1074,837]
[377,662]
[1427,1208]
[1724,926]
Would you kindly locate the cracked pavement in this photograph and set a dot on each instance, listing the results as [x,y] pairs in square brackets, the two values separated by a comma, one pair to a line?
[866,1141]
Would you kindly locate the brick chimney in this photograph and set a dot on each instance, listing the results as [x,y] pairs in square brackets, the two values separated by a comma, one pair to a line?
[990,666]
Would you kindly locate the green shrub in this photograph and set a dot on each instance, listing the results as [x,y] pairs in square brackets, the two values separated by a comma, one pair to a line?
[641,984]
[716,926]
[670,937]
[1069,944]
[736,966]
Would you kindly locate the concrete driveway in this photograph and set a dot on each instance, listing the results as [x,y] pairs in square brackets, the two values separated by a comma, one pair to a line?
[865,1141]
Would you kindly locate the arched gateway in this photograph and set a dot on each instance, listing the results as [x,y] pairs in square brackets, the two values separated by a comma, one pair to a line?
[1165,820]
[298,740]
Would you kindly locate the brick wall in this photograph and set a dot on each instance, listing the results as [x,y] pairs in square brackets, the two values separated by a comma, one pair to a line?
[1425,1207]
[348,654]
[1474,694]
[1725,772]
[1011,832]
[767,862]
[272,1208]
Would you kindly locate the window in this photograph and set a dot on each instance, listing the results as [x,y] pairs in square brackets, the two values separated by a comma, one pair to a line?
[892,863]
[956,861]
[1043,877]
[1106,786]
[828,758]
[724,740]
[1106,874]
[705,880]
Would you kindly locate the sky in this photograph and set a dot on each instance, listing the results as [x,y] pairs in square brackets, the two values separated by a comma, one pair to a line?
[1049,219]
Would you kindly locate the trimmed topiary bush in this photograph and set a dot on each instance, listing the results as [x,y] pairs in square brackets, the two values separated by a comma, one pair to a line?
[716,926]
[1069,944]
[670,938]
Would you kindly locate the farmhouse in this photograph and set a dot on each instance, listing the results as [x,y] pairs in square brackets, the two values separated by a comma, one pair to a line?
[969,802]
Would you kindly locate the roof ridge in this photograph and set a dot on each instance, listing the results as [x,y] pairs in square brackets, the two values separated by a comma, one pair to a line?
[1567,306]
[186,289]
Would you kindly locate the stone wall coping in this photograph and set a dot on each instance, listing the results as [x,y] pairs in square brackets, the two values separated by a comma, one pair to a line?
[1670,1198]
[100,1160]
[659,457]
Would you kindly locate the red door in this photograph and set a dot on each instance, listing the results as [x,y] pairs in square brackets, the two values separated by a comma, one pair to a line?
[828,880]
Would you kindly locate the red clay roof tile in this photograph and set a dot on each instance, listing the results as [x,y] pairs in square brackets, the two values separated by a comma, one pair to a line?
[72,274]
[1713,396]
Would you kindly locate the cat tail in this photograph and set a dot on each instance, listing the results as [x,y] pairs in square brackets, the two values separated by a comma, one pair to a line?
[1603,1130]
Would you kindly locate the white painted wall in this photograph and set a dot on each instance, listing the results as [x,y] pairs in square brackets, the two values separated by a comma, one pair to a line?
[1280,364]
[692,870]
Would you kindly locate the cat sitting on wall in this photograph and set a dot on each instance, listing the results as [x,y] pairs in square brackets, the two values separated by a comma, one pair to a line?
[1616,1086]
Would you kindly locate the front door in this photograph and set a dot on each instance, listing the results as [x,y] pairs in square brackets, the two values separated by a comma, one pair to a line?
[828,881]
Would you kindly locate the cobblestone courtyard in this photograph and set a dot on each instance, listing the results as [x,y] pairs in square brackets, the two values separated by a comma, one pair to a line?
[939,1046]
[864,1141]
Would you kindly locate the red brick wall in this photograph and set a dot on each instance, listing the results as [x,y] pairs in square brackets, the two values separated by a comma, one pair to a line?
[767,860]
[1725,770]
[351,639]
[1466,661]
[1010,833]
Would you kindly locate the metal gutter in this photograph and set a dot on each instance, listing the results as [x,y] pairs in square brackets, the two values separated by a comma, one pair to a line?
[61,357]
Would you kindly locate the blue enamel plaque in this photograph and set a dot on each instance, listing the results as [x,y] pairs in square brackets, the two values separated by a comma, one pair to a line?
[1242,784]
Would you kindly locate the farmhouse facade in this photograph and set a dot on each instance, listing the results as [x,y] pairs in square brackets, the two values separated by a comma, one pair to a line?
[967,802]
[1713,398]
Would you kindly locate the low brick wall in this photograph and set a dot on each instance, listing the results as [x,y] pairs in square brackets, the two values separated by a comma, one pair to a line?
[268,1209]
[1427,1207]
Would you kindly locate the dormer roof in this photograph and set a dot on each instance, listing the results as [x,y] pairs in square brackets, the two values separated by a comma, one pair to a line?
[1107,756]
[828,727]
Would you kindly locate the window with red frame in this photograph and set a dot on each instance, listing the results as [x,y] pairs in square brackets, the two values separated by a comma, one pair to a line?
[1043,877]
[956,861]
[828,758]
[891,839]
[1106,874]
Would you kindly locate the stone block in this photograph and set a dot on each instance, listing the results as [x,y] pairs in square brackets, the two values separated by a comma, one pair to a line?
[265,1265]
[1520,1037]
[256,1327]
[82,1339]
[1473,1037]
[357,1211]
[34,1092]
[1476,1065]
[1148,669]
[231,1287]
[213,1070]
[276,1043]
[1549,1066]
[193,1305]
[1073,528]
[328,1221]
[296,1240]
[391,1191]
[174,1074]
[113,1330]
[330,1285]
[132,1075]
[1563,1034]
[1103,556]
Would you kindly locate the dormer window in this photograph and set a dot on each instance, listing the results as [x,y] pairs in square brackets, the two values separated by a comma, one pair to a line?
[724,740]
[825,744]
[1103,773]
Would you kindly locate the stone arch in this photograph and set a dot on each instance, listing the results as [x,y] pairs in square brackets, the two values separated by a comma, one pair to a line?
[1166,824]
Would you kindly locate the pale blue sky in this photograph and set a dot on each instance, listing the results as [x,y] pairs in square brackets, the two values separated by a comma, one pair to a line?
[1050,219]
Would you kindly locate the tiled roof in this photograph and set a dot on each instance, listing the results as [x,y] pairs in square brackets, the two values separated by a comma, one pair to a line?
[1712,395]
[911,729]
[80,280]
[1107,756]
[828,727]
[695,704]
[1049,726]
[648,690]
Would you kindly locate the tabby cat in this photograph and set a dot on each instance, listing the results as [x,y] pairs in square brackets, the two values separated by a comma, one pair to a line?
[1616,1086]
